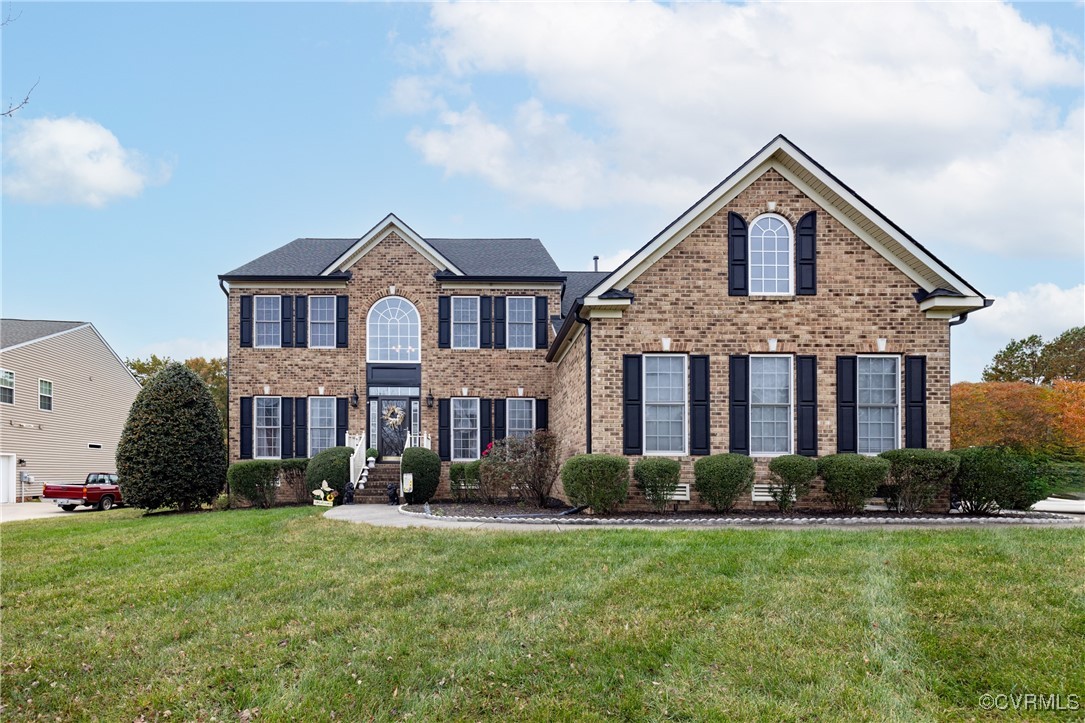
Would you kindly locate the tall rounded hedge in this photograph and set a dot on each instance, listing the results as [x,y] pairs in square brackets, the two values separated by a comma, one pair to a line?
[852,479]
[598,481]
[994,478]
[425,466]
[171,452]
[918,476]
[333,465]
[722,478]
[792,476]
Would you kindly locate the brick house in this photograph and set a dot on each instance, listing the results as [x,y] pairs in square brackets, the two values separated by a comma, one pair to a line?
[780,314]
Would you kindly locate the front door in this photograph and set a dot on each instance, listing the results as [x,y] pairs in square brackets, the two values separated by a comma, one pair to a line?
[394,424]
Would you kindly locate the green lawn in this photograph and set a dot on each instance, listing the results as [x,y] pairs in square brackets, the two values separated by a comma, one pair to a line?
[113,616]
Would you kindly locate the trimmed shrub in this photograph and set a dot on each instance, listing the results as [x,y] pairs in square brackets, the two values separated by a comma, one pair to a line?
[425,465]
[331,465]
[917,477]
[294,488]
[852,479]
[722,478]
[993,478]
[372,452]
[254,481]
[541,469]
[657,477]
[598,481]
[791,476]
[171,452]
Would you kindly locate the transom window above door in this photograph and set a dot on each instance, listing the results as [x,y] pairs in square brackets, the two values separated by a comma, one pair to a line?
[770,255]
[393,331]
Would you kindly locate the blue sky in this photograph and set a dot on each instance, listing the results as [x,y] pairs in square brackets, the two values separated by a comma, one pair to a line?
[168,143]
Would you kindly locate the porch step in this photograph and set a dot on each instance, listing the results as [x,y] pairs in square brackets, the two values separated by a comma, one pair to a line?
[375,491]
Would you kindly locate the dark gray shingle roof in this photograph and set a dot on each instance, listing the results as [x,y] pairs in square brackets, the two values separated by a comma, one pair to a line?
[300,257]
[497,256]
[20,331]
[578,283]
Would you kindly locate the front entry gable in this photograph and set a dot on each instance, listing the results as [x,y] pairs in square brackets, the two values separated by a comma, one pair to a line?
[391,225]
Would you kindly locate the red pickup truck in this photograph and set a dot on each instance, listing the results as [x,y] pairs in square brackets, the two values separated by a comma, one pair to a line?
[100,490]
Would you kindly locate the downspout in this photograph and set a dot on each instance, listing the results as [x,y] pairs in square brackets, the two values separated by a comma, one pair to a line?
[587,372]
[964,317]
[222,285]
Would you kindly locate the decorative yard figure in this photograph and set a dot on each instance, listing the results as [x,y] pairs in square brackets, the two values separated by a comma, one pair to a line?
[393,493]
[322,493]
[348,493]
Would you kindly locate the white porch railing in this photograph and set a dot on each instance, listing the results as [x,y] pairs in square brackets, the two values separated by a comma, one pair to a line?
[357,460]
[420,439]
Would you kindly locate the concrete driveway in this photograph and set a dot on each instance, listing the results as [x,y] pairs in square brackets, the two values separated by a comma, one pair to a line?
[36,511]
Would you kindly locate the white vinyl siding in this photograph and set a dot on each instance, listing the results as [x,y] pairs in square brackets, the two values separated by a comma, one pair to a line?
[520,322]
[770,255]
[45,395]
[267,427]
[321,424]
[878,396]
[770,405]
[268,321]
[393,332]
[322,322]
[465,322]
[519,417]
[7,387]
[465,430]
[666,394]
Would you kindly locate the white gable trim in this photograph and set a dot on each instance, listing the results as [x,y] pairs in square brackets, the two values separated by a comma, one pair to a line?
[381,231]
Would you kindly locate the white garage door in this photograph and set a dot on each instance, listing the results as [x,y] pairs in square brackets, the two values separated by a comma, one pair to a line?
[7,478]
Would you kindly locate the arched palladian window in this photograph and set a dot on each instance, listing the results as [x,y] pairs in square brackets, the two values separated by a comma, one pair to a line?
[771,262]
[393,332]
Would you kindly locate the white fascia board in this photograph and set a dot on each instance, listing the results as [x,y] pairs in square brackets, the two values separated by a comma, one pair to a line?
[316,283]
[380,232]
[497,285]
[945,307]
[568,342]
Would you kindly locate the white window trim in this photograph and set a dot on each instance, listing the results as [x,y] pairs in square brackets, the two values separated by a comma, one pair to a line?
[368,348]
[790,257]
[52,400]
[309,322]
[452,429]
[12,387]
[478,321]
[255,406]
[684,452]
[790,406]
[509,416]
[900,400]
[309,421]
[508,323]
[256,324]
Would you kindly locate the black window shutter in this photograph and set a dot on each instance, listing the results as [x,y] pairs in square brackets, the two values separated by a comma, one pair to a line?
[444,429]
[301,328]
[915,398]
[342,411]
[286,321]
[301,435]
[847,412]
[699,439]
[444,323]
[499,419]
[286,419]
[806,394]
[484,326]
[341,322]
[542,414]
[246,427]
[739,422]
[632,409]
[485,430]
[246,321]
[542,338]
[737,253]
[499,322]
[806,258]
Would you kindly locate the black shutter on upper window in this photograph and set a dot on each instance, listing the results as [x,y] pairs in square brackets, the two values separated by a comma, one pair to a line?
[341,317]
[542,319]
[245,451]
[286,321]
[847,411]
[632,409]
[444,429]
[806,397]
[499,322]
[737,255]
[301,328]
[301,430]
[739,421]
[806,281]
[915,399]
[246,321]
[542,414]
[485,430]
[444,322]
[286,419]
[699,439]
[485,327]
[499,419]
[342,414]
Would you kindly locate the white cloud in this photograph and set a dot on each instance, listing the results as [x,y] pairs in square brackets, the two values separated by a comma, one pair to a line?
[941,114]
[183,348]
[73,161]
[614,260]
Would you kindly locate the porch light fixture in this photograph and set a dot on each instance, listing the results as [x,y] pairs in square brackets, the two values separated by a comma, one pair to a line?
[429,400]
[354,398]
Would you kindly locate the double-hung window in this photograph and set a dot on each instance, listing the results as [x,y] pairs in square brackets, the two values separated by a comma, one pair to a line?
[45,395]
[322,322]
[465,322]
[321,424]
[266,428]
[520,320]
[465,429]
[770,405]
[666,395]
[268,318]
[519,417]
[770,256]
[7,387]
[878,396]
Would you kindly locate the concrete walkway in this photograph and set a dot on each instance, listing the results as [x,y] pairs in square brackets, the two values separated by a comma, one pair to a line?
[1055,504]
[15,511]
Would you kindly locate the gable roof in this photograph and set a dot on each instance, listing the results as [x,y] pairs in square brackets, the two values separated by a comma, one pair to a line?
[300,257]
[578,283]
[16,332]
[505,257]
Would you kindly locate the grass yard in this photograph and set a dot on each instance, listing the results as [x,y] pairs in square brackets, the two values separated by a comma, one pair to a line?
[113,616]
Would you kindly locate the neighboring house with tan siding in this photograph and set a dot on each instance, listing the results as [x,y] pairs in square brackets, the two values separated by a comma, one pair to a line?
[64,398]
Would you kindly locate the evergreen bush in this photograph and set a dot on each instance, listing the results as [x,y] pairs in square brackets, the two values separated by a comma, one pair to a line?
[425,466]
[657,477]
[722,478]
[994,478]
[331,465]
[852,479]
[791,476]
[917,477]
[598,481]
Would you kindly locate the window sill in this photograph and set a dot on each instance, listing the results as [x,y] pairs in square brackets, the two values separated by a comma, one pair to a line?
[772,297]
